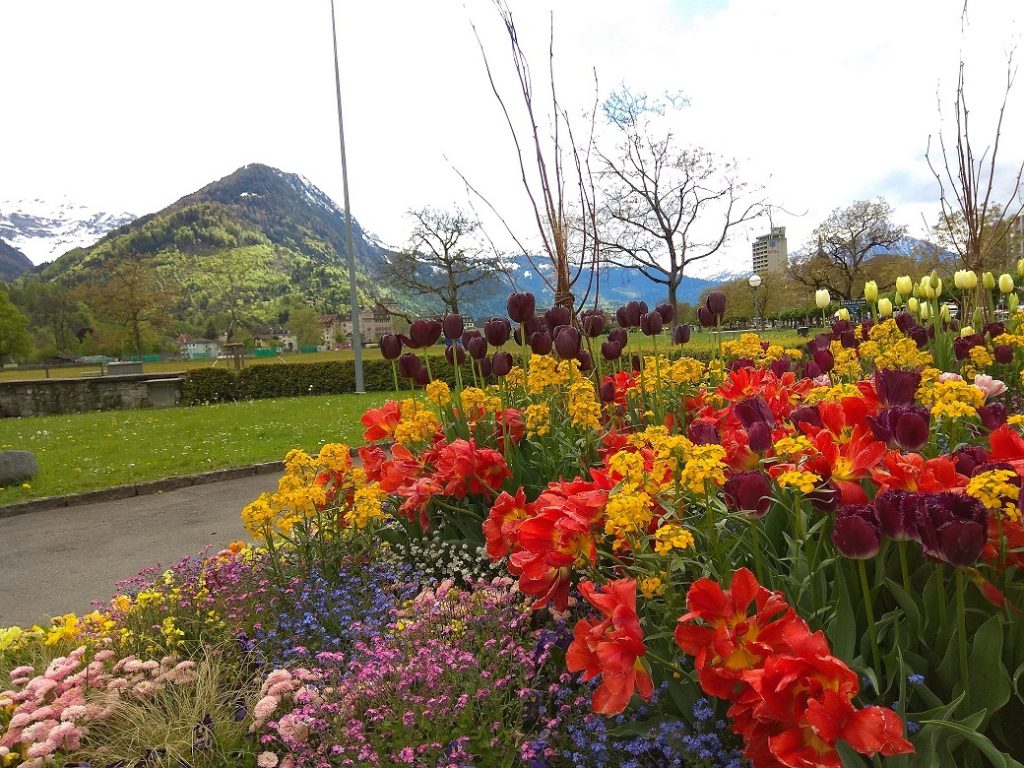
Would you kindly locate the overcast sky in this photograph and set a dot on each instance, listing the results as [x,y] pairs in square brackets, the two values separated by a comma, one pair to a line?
[129,105]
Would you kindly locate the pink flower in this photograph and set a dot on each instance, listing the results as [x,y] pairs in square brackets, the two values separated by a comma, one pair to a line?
[822,381]
[944,377]
[265,707]
[266,760]
[991,387]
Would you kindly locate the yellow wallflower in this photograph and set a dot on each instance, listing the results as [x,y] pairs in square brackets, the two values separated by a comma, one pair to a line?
[538,419]
[472,398]
[368,505]
[672,536]
[651,586]
[544,373]
[793,445]
[803,481]
[981,357]
[629,465]
[628,511]
[995,490]
[439,393]
[584,407]
[704,464]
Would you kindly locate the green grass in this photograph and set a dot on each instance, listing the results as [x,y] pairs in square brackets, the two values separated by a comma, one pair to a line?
[86,451]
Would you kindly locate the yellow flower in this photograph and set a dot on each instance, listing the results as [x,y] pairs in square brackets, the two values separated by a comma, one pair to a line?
[651,586]
[704,464]
[629,465]
[472,399]
[793,445]
[584,407]
[1016,420]
[805,482]
[368,505]
[439,393]
[544,373]
[64,628]
[538,419]
[995,490]
[981,357]
[672,536]
[628,511]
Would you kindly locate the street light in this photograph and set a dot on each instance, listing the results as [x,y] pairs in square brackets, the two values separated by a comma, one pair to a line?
[753,282]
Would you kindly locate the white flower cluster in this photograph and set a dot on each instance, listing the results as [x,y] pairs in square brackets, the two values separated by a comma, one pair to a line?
[436,559]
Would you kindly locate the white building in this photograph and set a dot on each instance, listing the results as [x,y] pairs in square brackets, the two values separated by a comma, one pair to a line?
[770,252]
[200,349]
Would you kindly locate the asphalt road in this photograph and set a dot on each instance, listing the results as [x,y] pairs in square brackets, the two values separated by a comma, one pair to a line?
[58,561]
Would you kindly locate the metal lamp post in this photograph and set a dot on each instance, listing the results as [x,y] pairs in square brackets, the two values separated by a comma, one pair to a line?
[754,282]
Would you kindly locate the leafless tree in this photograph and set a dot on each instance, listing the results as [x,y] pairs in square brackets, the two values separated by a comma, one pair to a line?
[445,258]
[843,244]
[554,168]
[665,206]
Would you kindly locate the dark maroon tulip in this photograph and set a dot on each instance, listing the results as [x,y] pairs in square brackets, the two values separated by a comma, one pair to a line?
[806,414]
[716,303]
[848,339]
[521,306]
[681,334]
[531,326]
[501,363]
[456,352]
[586,361]
[703,432]
[740,363]
[753,410]
[919,336]
[759,437]
[453,326]
[1003,354]
[780,366]
[749,492]
[422,375]
[637,363]
[825,499]
[993,415]
[390,346]
[408,364]
[643,308]
[557,316]
[905,321]
[567,342]
[953,527]
[811,370]
[825,359]
[540,344]
[905,426]
[895,387]
[897,514]
[611,350]
[620,335]
[857,533]
[468,336]
[497,331]
[477,348]
[483,367]
[651,324]
[995,329]
[633,313]
[705,316]
[593,323]
[865,328]
[963,345]
[608,391]
[667,312]
[621,317]
[968,457]
[425,333]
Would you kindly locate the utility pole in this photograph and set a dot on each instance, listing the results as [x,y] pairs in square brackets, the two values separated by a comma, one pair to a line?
[350,245]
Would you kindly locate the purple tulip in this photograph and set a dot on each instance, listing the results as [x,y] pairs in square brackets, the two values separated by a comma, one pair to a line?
[593,323]
[963,345]
[703,432]
[716,303]
[521,306]
[953,527]
[681,334]
[540,344]
[993,415]
[567,342]
[811,370]
[895,387]
[468,336]
[497,331]
[390,346]
[848,339]
[501,363]
[780,366]
[477,348]
[806,414]
[651,324]
[667,312]
[483,367]
[857,533]
[740,363]
[422,376]
[455,353]
[705,316]
[611,350]
[633,313]
[906,426]
[905,321]
[425,333]
[919,336]
[408,364]
[897,514]
[586,361]
[453,326]
[608,391]
[753,410]
[748,492]
[637,363]
[557,316]
[825,360]
[1003,354]
[620,335]
[531,326]
[995,329]
[759,437]
[622,318]
[967,458]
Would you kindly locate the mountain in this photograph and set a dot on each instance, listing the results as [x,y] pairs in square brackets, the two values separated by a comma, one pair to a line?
[12,262]
[43,231]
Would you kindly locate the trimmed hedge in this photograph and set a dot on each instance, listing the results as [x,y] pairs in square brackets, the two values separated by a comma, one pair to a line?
[256,382]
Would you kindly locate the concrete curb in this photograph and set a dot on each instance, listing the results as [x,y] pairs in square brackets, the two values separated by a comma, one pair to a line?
[138,489]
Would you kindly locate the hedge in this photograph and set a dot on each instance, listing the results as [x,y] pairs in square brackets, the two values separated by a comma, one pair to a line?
[216,385]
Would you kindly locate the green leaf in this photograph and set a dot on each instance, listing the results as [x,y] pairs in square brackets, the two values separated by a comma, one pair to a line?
[907,603]
[989,679]
[997,758]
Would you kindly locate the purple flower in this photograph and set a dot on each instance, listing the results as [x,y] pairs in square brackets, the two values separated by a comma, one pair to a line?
[483,366]
[806,414]
[993,415]
[906,426]
[811,370]
[453,326]
[586,361]
[477,348]
[681,334]
[425,333]
[857,533]
[905,321]
[667,312]
[540,343]
[633,313]
[422,375]
[501,364]
[780,366]
[749,492]
[919,336]
[521,306]
[611,350]
[567,342]
[716,303]
[897,514]
[740,363]
[497,331]
[608,391]
[620,335]
[953,527]
[825,360]
[759,437]
[825,498]
[1003,354]
[456,352]
[968,458]
[621,317]
[408,364]
[895,387]
[995,329]
[593,323]
[703,432]
[390,346]
[651,324]
[753,410]
[557,316]
[705,316]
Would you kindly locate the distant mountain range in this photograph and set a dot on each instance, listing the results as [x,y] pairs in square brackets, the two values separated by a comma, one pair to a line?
[12,262]
[43,231]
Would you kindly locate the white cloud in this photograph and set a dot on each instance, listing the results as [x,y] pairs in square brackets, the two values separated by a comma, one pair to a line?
[130,105]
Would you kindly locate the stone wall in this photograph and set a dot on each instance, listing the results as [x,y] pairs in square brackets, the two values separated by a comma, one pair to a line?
[41,397]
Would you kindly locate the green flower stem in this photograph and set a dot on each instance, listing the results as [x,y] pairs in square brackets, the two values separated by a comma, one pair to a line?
[940,590]
[869,610]
[394,373]
[904,566]
[961,631]
[755,541]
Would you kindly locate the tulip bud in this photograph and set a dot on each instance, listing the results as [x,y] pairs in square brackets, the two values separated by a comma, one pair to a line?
[390,346]
[913,304]
[1020,268]
[822,298]
[716,303]
[477,348]
[966,331]
[988,281]
[1011,302]
[934,280]
[501,363]
[540,343]
[871,291]
[611,350]
[425,333]
[759,437]
[970,280]
[857,532]
[958,279]
[904,285]
[925,312]
[944,313]
[844,314]
[453,326]
[567,342]
[651,324]
[748,491]
[521,306]
[681,335]
[884,307]
[621,318]
[1005,283]
[557,316]
[619,335]
[1003,354]
[483,367]
[422,375]
[497,331]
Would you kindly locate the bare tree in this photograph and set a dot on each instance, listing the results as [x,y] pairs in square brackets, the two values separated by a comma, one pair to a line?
[665,206]
[446,258]
[975,222]
[555,173]
[843,244]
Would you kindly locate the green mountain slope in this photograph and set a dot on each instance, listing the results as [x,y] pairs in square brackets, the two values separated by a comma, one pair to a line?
[12,262]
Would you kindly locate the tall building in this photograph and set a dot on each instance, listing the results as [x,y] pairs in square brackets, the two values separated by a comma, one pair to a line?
[771,253]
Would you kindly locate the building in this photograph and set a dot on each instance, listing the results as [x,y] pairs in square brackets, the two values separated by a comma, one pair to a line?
[374,322]
[198,349]
[277,338]
[770,252]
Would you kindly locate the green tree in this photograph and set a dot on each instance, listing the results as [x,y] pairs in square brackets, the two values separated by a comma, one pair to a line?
[14,338]
[304,323]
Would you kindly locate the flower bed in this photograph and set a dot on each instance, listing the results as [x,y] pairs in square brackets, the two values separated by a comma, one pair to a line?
[784,557]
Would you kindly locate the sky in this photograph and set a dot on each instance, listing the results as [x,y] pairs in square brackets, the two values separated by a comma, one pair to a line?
[128,105]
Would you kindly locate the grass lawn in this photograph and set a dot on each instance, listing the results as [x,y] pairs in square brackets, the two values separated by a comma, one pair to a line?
[81,452]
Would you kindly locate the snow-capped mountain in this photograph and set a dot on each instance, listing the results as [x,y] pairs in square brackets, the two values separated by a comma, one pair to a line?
[44,230]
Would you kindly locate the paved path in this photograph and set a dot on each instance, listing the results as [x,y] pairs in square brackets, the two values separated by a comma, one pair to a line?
[57,561]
